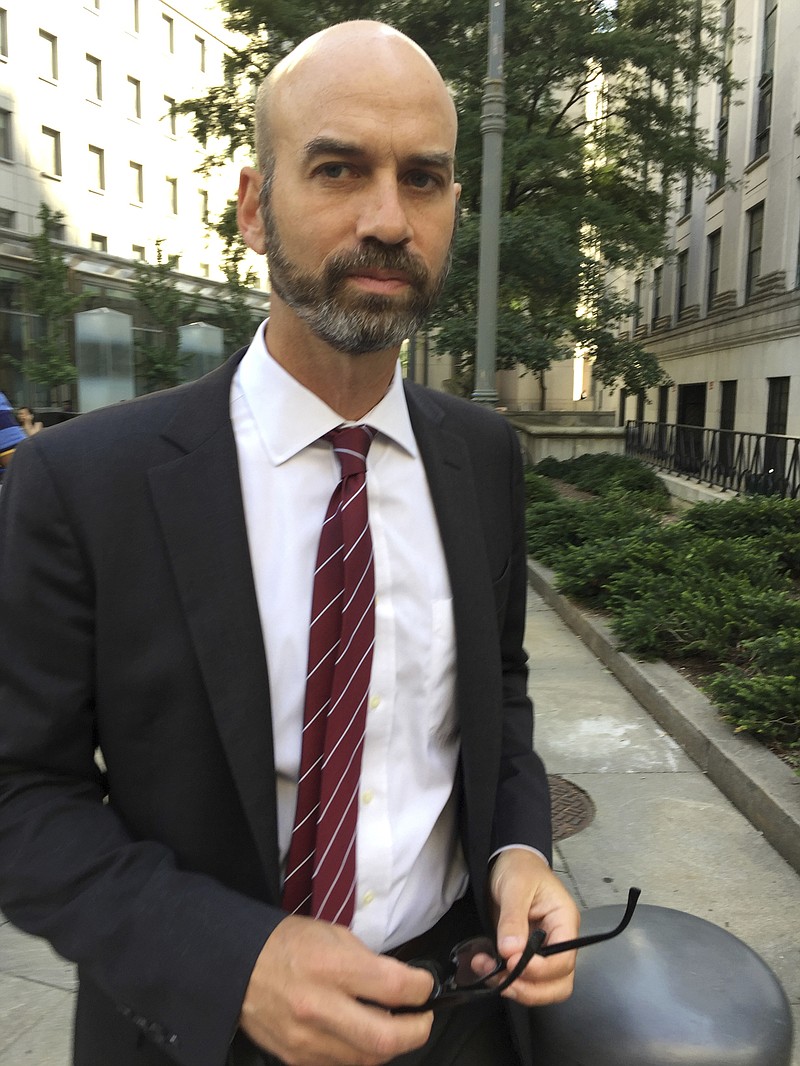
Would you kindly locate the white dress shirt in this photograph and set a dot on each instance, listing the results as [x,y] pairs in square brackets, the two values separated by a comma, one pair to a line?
[410,867]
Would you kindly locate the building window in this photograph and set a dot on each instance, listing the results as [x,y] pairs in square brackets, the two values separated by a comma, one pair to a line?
[51,152]
[7,218]
[94,78]
[5,134]
[728,14]
[688,189]
[170,116]
[682,282]
[137,183]
[777,405]
[764,102]
[201,52]
[777,423]
[169,33]
[637,305]
[714,245]
[172,195]
[137,251]
[134,97]
[99,243]
[97,168]
[205,270]
[755,239]
[135,16]
[3,33]
[658,286]
[203,196]
[48,69]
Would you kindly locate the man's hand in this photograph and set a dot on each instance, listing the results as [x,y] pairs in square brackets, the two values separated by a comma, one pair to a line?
[525,891]
[302,1002]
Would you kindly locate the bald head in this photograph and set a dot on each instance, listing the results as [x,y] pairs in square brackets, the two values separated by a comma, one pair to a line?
[349,59]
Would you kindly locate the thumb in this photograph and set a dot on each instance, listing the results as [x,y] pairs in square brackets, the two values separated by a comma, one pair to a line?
[512,924]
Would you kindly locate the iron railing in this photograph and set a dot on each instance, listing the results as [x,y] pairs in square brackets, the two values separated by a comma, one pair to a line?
[762,463]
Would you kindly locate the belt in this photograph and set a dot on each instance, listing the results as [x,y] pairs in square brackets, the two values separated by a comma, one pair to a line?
[460,922]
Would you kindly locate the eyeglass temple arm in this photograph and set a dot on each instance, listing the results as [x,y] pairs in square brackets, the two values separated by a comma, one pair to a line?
[596,938]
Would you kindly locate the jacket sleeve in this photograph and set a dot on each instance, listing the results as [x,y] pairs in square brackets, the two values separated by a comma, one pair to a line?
[522,807]
[172,948]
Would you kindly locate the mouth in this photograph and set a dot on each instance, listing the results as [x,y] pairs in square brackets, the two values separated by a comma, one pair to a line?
[373,279]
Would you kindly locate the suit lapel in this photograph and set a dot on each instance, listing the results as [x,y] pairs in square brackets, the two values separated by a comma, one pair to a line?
[451,480]
[198,500]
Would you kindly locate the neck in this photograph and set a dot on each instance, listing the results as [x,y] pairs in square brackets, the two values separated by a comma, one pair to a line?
[350,384]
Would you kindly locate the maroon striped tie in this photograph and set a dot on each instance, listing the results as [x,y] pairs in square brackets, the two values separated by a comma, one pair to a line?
[321,868]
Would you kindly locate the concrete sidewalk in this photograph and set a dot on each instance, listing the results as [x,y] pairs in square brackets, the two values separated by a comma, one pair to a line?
[659,823]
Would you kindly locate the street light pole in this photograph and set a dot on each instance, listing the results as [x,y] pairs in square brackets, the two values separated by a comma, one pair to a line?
[493,124]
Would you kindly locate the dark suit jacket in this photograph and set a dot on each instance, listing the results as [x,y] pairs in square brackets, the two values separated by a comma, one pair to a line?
[128,621]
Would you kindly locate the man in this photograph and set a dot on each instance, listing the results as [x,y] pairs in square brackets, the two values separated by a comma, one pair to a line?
[159,560]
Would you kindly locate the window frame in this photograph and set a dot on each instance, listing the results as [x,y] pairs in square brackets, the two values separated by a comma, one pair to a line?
[56,155]
[52,40]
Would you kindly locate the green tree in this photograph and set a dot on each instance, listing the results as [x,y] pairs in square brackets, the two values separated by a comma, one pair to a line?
[167,309]
[46,294]
[580,196]
[234,314]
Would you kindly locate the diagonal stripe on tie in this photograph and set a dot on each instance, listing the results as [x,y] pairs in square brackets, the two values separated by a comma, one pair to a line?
[321,866]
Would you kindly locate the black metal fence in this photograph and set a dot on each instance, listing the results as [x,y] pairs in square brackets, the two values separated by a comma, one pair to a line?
[759,463]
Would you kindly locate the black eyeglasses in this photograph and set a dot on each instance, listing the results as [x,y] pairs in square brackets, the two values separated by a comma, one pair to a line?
[459,984]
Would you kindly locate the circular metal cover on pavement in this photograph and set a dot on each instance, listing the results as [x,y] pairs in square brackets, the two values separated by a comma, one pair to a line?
[573,809]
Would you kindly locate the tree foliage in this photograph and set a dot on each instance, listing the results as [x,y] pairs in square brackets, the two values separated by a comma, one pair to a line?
[579,195]
[167,308]
[47,295]
[234,314]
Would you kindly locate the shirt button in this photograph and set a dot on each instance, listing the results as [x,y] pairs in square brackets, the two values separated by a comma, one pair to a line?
[374,702]
[368,796]
[367,898]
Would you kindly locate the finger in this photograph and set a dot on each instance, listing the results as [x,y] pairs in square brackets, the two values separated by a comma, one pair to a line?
[539,993]
[389,983]
[330,1029]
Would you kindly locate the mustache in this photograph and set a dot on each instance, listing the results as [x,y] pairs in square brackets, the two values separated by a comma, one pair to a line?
[377,256]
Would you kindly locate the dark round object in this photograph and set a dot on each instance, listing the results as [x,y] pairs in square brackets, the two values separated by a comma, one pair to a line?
[672,990]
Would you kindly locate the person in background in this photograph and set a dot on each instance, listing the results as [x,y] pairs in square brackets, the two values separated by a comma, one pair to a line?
[10,433]
[27,419]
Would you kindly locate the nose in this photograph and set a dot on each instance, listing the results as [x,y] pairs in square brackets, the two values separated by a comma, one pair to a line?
[383,215]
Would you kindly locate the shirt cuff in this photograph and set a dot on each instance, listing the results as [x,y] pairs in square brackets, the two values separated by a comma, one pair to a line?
[522,847]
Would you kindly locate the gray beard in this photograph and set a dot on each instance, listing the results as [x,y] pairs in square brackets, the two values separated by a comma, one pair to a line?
[354,323]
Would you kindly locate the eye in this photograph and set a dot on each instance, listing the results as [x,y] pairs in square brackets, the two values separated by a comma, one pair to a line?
[334,171]
[421,179]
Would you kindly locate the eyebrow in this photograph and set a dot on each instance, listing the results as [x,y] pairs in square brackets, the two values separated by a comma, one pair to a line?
[318,146]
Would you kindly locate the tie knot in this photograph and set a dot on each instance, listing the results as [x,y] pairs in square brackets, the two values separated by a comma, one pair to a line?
[351,444]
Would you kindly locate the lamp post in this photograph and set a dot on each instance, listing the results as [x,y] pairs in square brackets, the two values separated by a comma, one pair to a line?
[493,123]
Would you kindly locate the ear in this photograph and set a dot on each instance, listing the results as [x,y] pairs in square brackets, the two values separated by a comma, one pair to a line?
[248,212]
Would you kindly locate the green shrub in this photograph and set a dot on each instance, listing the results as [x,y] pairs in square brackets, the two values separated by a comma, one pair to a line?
[763,695]
[555,527]
[721,584]
[686,596]
[538,489]
[775,521]
[604,474]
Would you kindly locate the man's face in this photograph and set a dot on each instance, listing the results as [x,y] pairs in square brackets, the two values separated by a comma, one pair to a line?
[359,212]
[349,319]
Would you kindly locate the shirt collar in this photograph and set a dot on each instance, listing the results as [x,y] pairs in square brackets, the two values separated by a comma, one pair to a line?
[290,417]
